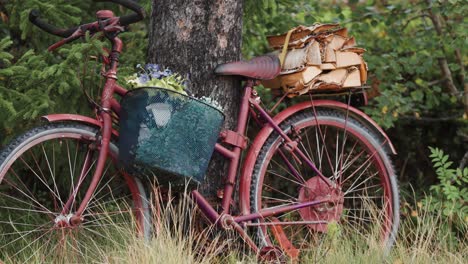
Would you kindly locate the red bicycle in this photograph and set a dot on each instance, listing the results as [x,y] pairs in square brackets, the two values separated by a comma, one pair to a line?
[316,162]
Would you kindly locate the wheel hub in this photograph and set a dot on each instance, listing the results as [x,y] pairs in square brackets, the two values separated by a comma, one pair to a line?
[69,220]
[317,189]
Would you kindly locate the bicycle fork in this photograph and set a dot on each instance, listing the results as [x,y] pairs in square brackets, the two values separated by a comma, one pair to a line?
[73,219]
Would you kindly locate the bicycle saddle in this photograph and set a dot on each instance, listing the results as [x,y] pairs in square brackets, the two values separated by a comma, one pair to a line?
[261,68]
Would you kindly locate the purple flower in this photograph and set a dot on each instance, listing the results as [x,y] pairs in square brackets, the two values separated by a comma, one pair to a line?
[143,78]
[152,71]
[156,75]
[152,67]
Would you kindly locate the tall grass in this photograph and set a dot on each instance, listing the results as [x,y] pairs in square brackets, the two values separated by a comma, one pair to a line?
[179,237]
[422,238]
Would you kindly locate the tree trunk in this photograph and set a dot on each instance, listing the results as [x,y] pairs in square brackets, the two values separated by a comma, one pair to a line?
[191,37]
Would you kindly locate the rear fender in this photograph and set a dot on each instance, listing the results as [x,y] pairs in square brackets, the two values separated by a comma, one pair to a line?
[77,118]
[262,136]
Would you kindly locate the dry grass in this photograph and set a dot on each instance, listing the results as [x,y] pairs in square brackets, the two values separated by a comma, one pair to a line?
[178,238]
[422,239]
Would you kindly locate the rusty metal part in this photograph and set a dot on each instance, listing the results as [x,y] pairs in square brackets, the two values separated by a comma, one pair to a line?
[233,138]
[315,189]
[284,242]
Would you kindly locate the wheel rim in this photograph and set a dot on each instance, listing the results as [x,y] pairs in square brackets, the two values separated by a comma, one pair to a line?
[35,185]
[348,171]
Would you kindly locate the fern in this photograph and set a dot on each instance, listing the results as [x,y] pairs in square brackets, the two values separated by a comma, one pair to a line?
[451,193]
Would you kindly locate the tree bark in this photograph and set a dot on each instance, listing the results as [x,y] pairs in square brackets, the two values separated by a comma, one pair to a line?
[191,37]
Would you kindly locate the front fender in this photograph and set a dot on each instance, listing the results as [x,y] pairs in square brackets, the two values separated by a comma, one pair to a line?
[76,118]
[262,136]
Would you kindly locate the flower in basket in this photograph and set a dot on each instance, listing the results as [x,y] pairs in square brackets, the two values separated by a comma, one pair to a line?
[154,75]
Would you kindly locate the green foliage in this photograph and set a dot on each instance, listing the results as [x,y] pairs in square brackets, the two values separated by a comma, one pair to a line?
[451,193]
[404,53]
[262,18]
[34,82]
[173,82]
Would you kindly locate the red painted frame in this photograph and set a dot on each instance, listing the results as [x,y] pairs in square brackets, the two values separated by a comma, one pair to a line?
[250,103]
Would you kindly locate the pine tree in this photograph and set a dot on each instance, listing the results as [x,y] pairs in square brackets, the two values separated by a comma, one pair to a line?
[34,82]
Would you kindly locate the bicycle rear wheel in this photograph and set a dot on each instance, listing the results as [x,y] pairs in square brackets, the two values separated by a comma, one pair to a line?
[50,168]
[359,177]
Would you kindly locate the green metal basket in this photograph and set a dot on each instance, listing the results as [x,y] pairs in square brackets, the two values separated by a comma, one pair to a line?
[167,135]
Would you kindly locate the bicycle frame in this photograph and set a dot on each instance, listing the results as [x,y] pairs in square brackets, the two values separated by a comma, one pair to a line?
[250,103]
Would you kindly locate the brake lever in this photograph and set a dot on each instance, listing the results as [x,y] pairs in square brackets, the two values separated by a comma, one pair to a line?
[77,34]
[112,26]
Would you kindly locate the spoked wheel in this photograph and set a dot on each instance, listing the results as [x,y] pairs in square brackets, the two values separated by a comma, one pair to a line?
[359,184]
[44,176]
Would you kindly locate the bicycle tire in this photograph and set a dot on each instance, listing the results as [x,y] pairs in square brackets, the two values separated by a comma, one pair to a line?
[34,187]
[268,188]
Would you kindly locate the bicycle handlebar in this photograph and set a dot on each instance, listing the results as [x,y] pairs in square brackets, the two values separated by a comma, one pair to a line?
[34,18]
[138,15]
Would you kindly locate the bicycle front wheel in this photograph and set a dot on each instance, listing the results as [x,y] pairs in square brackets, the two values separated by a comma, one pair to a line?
[358,176]
[44,175]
